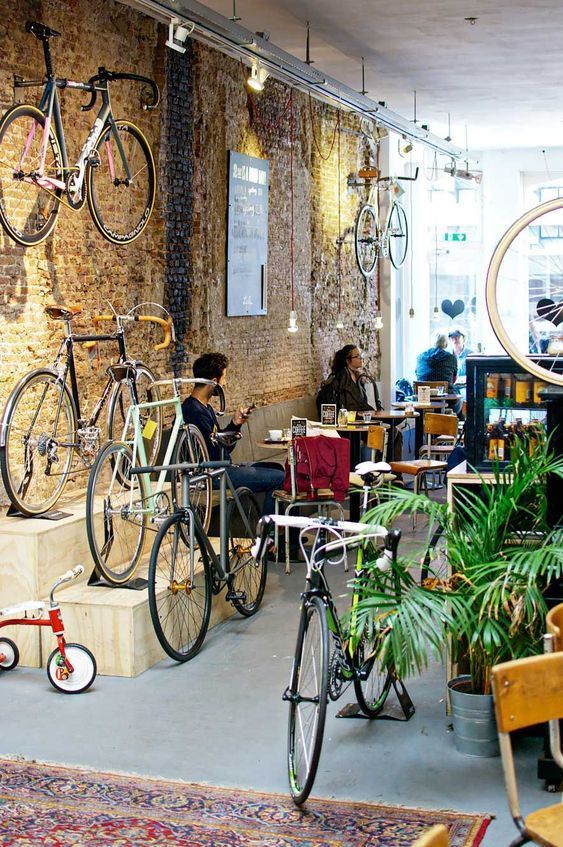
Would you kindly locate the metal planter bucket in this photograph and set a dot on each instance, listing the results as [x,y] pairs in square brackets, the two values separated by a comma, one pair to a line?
[475,726]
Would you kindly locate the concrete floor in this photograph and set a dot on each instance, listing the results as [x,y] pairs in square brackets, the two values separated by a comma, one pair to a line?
[220,719]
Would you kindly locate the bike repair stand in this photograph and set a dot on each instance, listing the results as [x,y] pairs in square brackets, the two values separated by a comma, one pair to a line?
[390,712]
[135,584]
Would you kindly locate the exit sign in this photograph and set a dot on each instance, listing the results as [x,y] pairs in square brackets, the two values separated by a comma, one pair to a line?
[455,236]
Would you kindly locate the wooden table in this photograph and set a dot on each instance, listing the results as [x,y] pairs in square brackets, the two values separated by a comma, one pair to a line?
[394,415]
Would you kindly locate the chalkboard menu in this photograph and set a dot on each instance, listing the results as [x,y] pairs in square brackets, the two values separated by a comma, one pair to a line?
[247,235]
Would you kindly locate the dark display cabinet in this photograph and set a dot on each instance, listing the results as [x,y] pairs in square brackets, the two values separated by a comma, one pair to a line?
[500,396]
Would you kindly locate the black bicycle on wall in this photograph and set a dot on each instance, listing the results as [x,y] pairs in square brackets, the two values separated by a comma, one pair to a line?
[114,172]
[42,427]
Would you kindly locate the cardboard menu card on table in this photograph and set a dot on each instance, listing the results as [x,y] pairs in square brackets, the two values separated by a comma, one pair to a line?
[298,427]
[424,395]
[328,414]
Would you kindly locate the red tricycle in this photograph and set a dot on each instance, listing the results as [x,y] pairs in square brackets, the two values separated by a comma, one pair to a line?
[71,668]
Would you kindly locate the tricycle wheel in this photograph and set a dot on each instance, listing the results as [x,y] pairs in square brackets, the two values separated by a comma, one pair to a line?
[83,674]
[9,654]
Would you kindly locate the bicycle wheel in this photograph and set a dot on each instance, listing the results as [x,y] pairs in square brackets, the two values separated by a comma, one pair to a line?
[248,574]
[308,694]
[180,589]
[191,448]
[397,235]
[523,292]
[120,207]
[373,688]
[151,419]
[83,674]
[28,212]
[39,427]
[115,525]
[10,653]
[366,240]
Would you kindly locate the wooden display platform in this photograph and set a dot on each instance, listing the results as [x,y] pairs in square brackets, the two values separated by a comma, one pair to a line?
[114,623]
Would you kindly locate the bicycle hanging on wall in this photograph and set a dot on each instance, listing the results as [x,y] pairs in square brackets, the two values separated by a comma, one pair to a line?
[391,240]
[114,172]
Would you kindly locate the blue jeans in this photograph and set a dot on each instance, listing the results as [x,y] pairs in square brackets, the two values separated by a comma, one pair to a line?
[260,477]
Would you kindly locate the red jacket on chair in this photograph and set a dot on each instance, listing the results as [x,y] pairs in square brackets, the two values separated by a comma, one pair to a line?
[320,462]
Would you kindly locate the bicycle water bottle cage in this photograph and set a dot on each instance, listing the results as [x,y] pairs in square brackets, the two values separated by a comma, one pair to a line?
[40,31]
[121,372]
[63,313]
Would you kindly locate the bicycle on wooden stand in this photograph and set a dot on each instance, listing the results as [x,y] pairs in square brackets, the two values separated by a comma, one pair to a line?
[332,651]
[185,571]
[71,668]
[389,241]
[114,172]
[42,427]
[122,507]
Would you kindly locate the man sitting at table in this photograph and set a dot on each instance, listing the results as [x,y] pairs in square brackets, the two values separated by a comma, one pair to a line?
[260,477]
[436,365]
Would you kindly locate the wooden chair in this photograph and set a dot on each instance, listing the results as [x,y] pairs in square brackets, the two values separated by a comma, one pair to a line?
[527,692]
[435,837]
[441,433]
[294,500]
[554,621]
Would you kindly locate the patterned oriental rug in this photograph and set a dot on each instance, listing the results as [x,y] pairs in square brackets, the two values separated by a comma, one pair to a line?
[46,804]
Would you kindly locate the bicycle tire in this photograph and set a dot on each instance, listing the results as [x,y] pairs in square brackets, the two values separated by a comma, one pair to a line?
[119,404]
[116,538]
[500,297]
[371,692]
[248,577]
[84,673]
[29,445]
[28,212]
[366,240]
[308,688]
[140,200]
[397,235]
[179,606]
[191,447]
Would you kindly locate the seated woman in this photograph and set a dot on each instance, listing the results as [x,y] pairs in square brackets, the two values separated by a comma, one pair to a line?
[350,381]
[437,364]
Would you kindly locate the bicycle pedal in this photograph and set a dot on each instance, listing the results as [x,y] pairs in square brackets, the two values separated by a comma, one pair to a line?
[236,595]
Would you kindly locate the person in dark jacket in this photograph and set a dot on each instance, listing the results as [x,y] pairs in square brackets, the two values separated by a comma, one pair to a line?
[437,364]
[350,380]
[260,477]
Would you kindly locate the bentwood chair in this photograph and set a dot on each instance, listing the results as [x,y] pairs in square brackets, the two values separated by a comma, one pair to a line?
[435,837]
[441,433]
[527,692]
[554,621]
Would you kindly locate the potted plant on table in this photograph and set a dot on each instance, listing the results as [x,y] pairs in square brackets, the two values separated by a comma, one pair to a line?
[498,556]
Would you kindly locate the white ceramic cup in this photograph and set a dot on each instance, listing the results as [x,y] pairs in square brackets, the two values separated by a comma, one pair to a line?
[275,434]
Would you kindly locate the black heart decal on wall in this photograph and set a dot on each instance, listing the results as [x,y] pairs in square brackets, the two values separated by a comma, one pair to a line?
[453,309]
[550,311]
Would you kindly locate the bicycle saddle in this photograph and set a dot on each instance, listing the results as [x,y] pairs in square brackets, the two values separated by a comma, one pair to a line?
[63,313]
[225,439]
[40,31]
[122,371]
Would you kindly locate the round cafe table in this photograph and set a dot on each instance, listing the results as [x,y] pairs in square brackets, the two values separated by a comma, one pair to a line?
[393,416]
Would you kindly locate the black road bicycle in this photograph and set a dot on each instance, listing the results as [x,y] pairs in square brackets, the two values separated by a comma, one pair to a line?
[114,172]
[42,426]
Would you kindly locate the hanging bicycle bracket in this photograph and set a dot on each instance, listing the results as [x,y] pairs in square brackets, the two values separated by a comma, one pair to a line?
[390,712]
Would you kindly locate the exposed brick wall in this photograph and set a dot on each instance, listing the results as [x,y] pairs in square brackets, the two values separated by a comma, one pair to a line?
[180,258]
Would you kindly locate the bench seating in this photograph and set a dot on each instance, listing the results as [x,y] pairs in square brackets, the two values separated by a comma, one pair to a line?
[264,418]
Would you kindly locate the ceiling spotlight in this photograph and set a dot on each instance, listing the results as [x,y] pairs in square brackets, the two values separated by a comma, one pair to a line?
[405,146]
[257,77]
[178,33]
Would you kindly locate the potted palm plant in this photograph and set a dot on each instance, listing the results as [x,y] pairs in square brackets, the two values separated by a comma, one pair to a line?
[499,554]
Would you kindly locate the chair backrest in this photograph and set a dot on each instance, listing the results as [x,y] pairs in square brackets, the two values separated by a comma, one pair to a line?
[431,383]
[435,837]
[377,439]
[437,424]
[528,691]
[554,621]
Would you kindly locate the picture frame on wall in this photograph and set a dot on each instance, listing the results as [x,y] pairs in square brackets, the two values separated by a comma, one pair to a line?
[247,235]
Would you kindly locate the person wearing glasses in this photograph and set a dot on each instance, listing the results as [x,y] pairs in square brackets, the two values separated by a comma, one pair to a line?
[351,382]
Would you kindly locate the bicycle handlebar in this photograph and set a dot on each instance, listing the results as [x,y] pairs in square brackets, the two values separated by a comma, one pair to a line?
[104,75]
[166,325]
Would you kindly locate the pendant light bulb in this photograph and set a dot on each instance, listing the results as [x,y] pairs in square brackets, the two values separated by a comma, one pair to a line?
[378,320]
[436,314]
[339,324]
[292,321]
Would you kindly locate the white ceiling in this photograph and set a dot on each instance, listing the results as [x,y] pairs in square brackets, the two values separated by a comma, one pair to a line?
[501,77]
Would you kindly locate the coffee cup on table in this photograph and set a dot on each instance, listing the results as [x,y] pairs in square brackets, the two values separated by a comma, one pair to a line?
[367,417]
[275,434]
